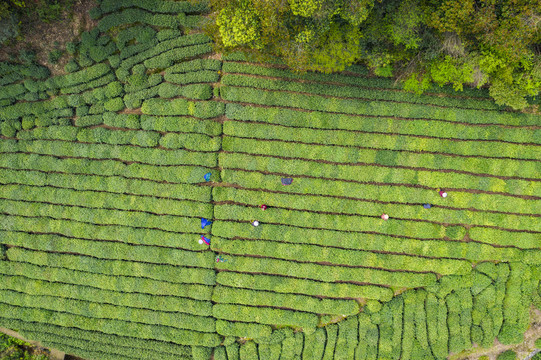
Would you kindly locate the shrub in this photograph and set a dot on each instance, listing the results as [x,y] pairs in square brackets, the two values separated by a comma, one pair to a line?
[114,104]
[507,355]
[55,55]
[71,66]
[264,315]
[242,329]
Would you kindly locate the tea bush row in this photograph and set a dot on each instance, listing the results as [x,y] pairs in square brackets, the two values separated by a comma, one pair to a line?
[313,279]
[377,83]
[302,252]
[230,295]
[12,72]
[118,327]
[321,273]
[96,83]
[106,152]
[169,57]
[119,137]
[180,124]
[120,238]
[344,156]
[66,133]
[152,272]
[102,311]
[18,265]
[194,91]
[189,174]
[349,240]
[128,121]
[91,201]
[380,108]
[83,76]
[200,109]
[387,142]
[95,337]
[523,240]
[242,329]
[108,184]
[350,207]
[137,81]
[135,15]
[140,32]
[195,65]
[202,76]
[12,91]
[173,7]
[135,55]
[40,108]
[332,222]
[98,351]
[263,315]
[197,142]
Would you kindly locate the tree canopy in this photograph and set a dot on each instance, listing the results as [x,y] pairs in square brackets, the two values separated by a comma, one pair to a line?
[496,43]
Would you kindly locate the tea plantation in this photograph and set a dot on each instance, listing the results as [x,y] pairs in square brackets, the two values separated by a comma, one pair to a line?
[102,195]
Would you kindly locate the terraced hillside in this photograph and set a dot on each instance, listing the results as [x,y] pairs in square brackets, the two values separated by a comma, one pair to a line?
[103,191]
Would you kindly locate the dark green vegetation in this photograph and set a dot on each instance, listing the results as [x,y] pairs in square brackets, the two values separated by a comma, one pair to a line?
[15,349]
[421,42]
[102,194]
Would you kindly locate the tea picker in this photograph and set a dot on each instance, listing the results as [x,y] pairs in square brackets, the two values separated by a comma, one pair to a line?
[204,240]
[205,222]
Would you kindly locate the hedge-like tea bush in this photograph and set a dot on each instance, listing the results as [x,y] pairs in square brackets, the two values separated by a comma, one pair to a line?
[317,272]
[264,315]
[19,265]
[168,58]
[350,106]
[134,15]
[242,329]
[345,156]
[521,240]
[115,234]
[180,124]
[100,200]
[73,229]
[173,7]
[198,142]
[95,337]
[167,273]
[119,137]
[203,76]
[129,121]
[230,295]
[164,333]
[333,222]
[109,184]
[191,174]
[388,142]
[194,91]
[125,153]
[200,109]
[350,206]
[195,65]
[366,88]
[94,350]
[141,33]
[106,311]
[137,54]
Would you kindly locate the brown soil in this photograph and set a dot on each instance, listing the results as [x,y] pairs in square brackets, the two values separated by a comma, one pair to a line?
[41,37]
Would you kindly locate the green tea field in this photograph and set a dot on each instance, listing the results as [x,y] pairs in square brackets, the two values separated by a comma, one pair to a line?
[109,173]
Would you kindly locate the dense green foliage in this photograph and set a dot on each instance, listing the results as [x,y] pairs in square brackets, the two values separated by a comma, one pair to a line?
[421,42]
